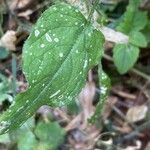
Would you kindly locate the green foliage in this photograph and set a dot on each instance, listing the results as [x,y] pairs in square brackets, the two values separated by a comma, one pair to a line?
[46,136]
[104,83]
[60,50]
[3,53]
[4,89]
[27,141]
[146,31]
[50,133]
[132,23]
[137,39]
[125,56]
[133,18]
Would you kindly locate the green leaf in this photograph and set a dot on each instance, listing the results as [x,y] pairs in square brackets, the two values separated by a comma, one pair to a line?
[60,50]
[125,57]
[133,18]
[4,84]
[137,39]
[139,21]
[3,53]
[27,141]
[50,133]
[5,138]
[17,134]
[146,32]
[104,83]
[5,89]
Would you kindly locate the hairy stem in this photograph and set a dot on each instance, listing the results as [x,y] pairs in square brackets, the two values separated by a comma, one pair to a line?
[95,3]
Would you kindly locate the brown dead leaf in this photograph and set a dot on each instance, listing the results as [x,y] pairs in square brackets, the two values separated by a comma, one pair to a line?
[136,113]
[124,129]
[108,106]
[86,99]
[23,3]
[18,4]
[74,123]
[8,40]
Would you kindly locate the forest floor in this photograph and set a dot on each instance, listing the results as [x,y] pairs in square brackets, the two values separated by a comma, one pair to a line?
[125,122]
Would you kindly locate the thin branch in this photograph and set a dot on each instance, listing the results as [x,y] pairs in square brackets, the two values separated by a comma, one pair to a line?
[138,72]
[96,2]
[145,126]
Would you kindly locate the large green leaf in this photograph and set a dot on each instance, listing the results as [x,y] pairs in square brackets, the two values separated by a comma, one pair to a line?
[125,57]
[61,49]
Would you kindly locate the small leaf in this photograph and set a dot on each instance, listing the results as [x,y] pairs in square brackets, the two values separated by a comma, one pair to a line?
[133,19]
[137,39]
[3,53]
[146,32]
[140,20]
[125,57]
[27,141]
[50,133]
[4,84]
[60,50]
[17,134]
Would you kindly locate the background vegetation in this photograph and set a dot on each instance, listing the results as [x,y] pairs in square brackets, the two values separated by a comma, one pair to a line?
[124,122]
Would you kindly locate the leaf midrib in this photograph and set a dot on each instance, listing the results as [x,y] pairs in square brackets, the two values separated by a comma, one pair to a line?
[66,56]
[44,89]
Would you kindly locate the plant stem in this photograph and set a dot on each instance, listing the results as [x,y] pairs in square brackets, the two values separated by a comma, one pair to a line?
[14,70]
[141,74]
[92,9]
[139,129]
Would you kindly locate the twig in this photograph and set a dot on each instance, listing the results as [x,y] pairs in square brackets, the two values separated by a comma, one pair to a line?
[141,74]
[123,117]
[14,69]
[139,129]
[124,94]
